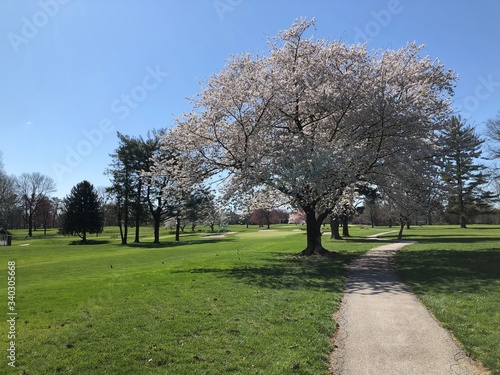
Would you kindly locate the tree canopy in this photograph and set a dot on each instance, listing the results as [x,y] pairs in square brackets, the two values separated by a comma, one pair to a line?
[32,189]
[461,172]
[82,212]
[314,117]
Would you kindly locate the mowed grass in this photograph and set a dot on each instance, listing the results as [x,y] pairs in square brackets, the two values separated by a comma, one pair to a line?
[456,273]
[241,304]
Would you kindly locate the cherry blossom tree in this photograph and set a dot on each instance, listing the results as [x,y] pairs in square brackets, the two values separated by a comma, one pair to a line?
[172,190]
[314,117]
[344,209]
[264,203]
[407,196]
[297,217]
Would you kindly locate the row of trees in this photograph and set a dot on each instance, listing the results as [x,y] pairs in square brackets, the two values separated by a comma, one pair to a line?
[452,182]
[139,195]
[320,122]
[315,125]
[25,201]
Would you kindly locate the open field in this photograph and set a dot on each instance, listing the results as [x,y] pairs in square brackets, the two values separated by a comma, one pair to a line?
[238,304]
[456,274]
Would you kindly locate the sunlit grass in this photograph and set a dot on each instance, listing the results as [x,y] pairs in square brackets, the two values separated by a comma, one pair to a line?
[456,273]
[239,304]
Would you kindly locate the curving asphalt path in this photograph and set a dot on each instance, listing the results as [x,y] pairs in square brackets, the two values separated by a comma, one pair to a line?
[384,330]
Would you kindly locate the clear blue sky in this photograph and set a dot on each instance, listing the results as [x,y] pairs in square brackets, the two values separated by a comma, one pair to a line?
[74,72]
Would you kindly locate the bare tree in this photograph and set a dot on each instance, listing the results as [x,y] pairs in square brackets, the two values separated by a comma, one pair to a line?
[44,213]
[7,196]
[32,189]
[493,133]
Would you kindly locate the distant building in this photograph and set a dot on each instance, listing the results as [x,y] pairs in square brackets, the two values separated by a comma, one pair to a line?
[5,238]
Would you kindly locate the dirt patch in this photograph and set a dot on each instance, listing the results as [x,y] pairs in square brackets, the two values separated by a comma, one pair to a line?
[214,236]
[219,235]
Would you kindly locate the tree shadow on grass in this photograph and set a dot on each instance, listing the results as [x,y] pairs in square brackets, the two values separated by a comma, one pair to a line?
[152,245]
[455,238]
[448,271]
[288,272]
[90,242]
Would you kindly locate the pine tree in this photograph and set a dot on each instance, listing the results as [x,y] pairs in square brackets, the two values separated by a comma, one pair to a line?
[460,170]
[129,186]
[82,213]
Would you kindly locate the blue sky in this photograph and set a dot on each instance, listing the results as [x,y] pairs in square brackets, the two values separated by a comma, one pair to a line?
[74,72]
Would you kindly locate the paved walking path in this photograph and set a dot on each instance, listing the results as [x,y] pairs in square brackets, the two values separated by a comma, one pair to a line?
[384,330]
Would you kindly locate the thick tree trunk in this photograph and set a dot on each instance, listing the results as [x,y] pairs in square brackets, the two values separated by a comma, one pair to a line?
[372,218]
[345,227]
[463,221]
[401,228]
[156,230]
[314,246]
[120,226]
[137,240]
[334,227]
[125,221]
[177,229]
[30,225]
[138,212]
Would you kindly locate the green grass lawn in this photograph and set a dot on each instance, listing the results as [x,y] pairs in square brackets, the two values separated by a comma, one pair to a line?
[456,273]
[240,304]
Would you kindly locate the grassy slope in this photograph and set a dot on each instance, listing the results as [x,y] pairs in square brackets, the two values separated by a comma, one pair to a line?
[239,305]
[456,273]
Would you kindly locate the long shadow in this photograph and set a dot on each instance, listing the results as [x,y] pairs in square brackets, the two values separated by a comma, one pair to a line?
[152,245]
[373,274]
[89,242]
[455,238]
[445,271]
[288,272]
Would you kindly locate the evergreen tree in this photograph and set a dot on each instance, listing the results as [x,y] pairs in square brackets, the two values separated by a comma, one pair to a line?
[461,172]
[82,213]
[130,160]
